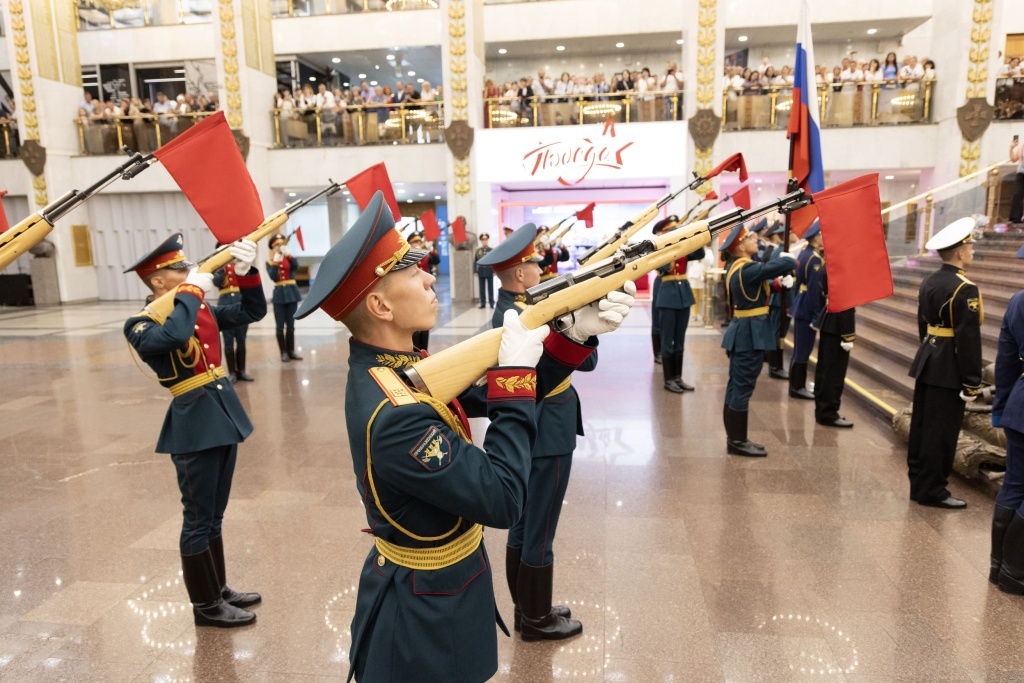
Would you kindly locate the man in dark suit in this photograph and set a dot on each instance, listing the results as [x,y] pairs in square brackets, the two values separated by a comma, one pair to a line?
[947,367]
[205,422]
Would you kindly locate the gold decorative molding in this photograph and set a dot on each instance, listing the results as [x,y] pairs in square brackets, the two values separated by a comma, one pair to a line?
[229,52]
[707,71]
[81,242]
[26,90]
[977,76]
[39,190]
[458,93]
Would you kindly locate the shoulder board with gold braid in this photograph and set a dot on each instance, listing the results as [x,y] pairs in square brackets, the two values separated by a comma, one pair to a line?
[393,386]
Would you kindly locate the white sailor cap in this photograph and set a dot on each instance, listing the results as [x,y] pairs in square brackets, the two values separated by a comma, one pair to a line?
[953,235]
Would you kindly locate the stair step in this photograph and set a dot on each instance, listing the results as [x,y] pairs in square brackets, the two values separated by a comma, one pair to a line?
[906,310]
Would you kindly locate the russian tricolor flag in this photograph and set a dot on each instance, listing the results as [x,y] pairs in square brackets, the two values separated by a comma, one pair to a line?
[804,131]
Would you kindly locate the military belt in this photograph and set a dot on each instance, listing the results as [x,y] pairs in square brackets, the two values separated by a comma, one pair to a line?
[940,331]
[672,278]
[432,558]
[803,288]
[202,379]
[282,283]
[561,388]
[750,312]
[230,290]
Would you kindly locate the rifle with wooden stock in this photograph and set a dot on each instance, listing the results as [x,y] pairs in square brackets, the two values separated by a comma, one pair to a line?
[446,374]
[34,229]
[162,306]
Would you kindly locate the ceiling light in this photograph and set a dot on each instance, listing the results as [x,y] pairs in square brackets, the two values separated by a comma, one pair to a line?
[423,194]
[437,196]
[742,39]
[560,48]
[291,194]
[373,82]
[376,66]
[389,57]
[336,60]
[872,31]
[408,201]
[620,45]
[346,84]
[411,73]
[679,42]
[399,191]
[890,177]
[757,180]
[312,78]
[502,51]
[419,80]
[362,75]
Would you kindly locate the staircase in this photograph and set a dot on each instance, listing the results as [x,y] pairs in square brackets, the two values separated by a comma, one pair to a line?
[887,330]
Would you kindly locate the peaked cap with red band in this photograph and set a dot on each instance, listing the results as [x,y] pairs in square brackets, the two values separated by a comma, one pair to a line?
[517,249]
[167,255]
[738,233]
[370,249]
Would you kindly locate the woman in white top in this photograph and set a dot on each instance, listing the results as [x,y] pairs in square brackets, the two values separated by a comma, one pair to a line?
[564,87]
[1011,69]
[873,74]
[645,84]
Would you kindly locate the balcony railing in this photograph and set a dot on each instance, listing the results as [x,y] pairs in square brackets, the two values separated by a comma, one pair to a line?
[101,14]
[867,104]
[313,8]
[554,110]
[383,124]
[1009,98]
[143,133]
[8,140]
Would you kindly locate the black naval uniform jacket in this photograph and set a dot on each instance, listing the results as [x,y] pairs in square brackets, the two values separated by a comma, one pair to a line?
[951,359]
[842,323]
[186,345]
[559,419]
[424,485]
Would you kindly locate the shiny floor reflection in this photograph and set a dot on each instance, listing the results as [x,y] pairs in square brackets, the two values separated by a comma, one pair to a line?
[682,563]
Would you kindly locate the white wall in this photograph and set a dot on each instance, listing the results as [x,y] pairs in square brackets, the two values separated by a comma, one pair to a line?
[578,18]
[5,62]
[749,13]
[348,32]
[307,168]
[147,45]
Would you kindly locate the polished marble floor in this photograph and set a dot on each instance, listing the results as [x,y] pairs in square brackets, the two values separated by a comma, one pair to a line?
[683,563]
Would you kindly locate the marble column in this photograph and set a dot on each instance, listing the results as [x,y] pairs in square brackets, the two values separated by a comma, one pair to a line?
[42,45]
[462,58]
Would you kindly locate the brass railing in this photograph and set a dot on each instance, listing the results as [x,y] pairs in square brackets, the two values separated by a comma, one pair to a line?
[8,140]
[382,124]
[1010,98]
[561,110]
[96,15]
[314,8]
[143,133]
[864,104]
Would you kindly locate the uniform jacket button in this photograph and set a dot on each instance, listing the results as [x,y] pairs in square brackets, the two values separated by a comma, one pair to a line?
[219,386]
[380,560]
[206,346]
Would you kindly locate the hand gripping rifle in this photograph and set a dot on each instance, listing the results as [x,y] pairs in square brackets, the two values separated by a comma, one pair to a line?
[31,231]
[162,306]
[446,374]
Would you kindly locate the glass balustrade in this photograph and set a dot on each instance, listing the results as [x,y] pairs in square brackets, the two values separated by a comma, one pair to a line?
[8,140]
[1009,99]
[96,15]
[312,8]
[867,104]
[383,124]
[143,133]
[554,110]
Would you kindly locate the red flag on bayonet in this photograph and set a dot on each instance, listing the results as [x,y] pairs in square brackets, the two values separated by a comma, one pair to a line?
[586,214]
[431,230]
[206,164]
[856,258]
[298,238]
[710,197]
[732,163]
[364,184]
[4,225]
[459,230]
[741,197]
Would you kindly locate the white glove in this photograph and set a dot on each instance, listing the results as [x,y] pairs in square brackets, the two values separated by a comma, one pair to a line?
[203,281]
[786,254]
[520,347]
[284,252]
[244,253]
[846,346]
[602,316]
[545,240]
[277,257]
[967,399]
[788,282]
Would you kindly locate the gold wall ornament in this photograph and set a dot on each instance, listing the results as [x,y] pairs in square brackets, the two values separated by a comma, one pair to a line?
[81,243]
[705,125]
[229,53]
[39,187]
[33,155]
[26,103]
[459,134]
[459,138]
[704,128]
[975,115]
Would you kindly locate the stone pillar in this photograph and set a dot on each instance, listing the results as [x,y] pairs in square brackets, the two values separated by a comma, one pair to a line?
[462,59]
[703,49]
[42,45]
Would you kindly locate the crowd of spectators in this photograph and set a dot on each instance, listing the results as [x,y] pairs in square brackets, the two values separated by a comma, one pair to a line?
[338,100]
[890,73]
[597,87]
[91,109]
[1009,101]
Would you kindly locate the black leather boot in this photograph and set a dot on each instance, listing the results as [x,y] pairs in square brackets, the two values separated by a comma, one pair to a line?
[1001,518]
[737,442]
[668,371]
[281,347]
[798,382]
[1011,571]
[230,596]
[203,586]
[541,621]
[229,361]
[776,370]
[290,342]
[677,367]
[656,343]
[240,362]
[512,560]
